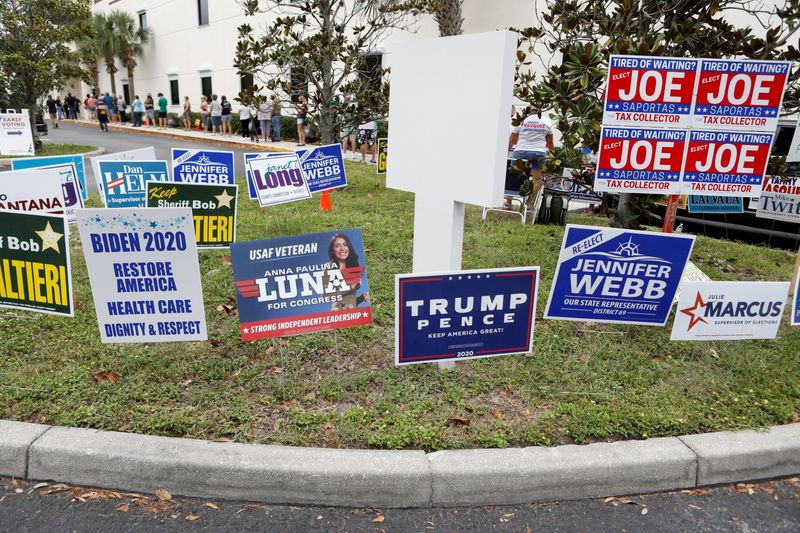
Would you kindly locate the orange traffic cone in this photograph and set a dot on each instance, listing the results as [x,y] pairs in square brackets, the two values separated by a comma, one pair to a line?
[197,124]
[325,201]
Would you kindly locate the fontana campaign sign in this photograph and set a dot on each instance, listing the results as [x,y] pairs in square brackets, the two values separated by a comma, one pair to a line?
[725,163]
[715,204]
[124,183]
[213,209]
[33,190]
[739,95]
[57,161]
[202,166]
[465,314]
[301,284]
[34,263]
[649,91]
[617,275]
[729,310]
[640,160]
[144,274]
[278,179]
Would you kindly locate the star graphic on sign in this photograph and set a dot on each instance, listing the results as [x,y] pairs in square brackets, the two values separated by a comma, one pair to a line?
[695,317]
[49,238]
[224,198]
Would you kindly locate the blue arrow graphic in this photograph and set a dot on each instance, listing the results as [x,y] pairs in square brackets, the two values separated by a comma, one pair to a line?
[15,133]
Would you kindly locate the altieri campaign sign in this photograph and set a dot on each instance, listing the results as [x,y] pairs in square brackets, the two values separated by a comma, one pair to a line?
[37,190]
[725,163]
[649,91]
[124,183]
[464,314]
[739,95]
[202,166]
[34,263]
[15,134]
[640,160]
[729,310]
[383,155]
[58,160]
[144,274]
[278,179]
[301,284]
[213,209]
[715,204]
[617,275]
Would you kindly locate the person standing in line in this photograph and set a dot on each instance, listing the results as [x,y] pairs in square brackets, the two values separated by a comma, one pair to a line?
[113,111]
[264,119]
[138,109]
[275,113]
[216,114]
[108,101]
[102,115]
[90,103]
[366,138]
[531,140]
[227,108]
[123,107]
[244,120]
[69,101]
[187,114]
[149,110]
[162,111]
[59,108]
[204,112]
[302,114]
[51,109]
[77,107]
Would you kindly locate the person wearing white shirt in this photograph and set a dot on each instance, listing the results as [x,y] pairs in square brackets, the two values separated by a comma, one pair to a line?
[531,140]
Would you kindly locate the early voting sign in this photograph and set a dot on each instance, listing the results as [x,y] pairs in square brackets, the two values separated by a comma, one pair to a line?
[729,310]
[57,161]
[715,204]
[15,134]
[278,179]
[617,275]
[383,155]
[464,314]
[322,166]
[301,284]
[213,209]
[739,95]
[34,263]
[649,91]
[640,160]
[144,274]
[202,166]
[35,190]
[124,183]
[725,163]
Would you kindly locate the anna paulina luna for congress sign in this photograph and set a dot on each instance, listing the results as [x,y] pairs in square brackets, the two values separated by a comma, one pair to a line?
[617,275]
[464,314]
[301,284]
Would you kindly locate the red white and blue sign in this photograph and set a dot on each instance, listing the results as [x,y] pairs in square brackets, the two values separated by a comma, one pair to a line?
[739,95]
[640,160]
[323,167]
[124,183]
[56,161]
[726,163]
[650,91]
[465,314]
[618,276]
[202,166]
[795,320]
[301,284]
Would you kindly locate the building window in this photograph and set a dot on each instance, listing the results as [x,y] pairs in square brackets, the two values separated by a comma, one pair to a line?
[371,67]
[205,83]
[298,83]
[202,12]
[142,19]
[246,81]
[174,94]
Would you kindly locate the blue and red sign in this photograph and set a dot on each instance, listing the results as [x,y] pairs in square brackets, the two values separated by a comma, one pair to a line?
[56,160]
[649,91]
[323,168]
[739,95]
[464,314]
[640,160]
[617,275]
[726,163]
[301,284]
[124,183]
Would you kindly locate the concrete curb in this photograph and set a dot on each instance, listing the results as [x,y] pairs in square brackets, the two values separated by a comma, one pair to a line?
[100,151]
[376,478]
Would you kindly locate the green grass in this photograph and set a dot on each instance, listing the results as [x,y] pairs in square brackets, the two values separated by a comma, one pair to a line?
[57,149]
[340,389]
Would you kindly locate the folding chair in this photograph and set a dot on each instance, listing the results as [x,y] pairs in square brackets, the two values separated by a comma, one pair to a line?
[514,179]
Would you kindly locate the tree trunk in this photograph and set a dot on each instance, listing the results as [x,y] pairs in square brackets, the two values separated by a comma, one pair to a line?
[448,16]
[112,69]
[131,89]
[624,217]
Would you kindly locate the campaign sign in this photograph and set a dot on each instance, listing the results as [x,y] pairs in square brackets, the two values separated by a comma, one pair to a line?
[739,95]
[715,204]
[124,183]
[34,190]
[58,160]
[202,166]
[383,155]
[649,91]
[729,310]
[301,284]
[213,209]
[640,160]
[725,163]
[34,263]
[251,188]
[780,200]
[795,321]
[691,273]
[69,186]
[147,153]
[15,134]
[617,275]
[323,167]
[465,314]
[144,274]
[278,179]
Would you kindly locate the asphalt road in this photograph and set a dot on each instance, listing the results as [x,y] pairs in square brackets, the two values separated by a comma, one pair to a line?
[748,508]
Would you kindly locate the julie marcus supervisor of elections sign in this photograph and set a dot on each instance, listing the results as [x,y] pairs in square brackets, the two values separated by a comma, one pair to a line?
[301,284]
[617,275]
[464,314]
